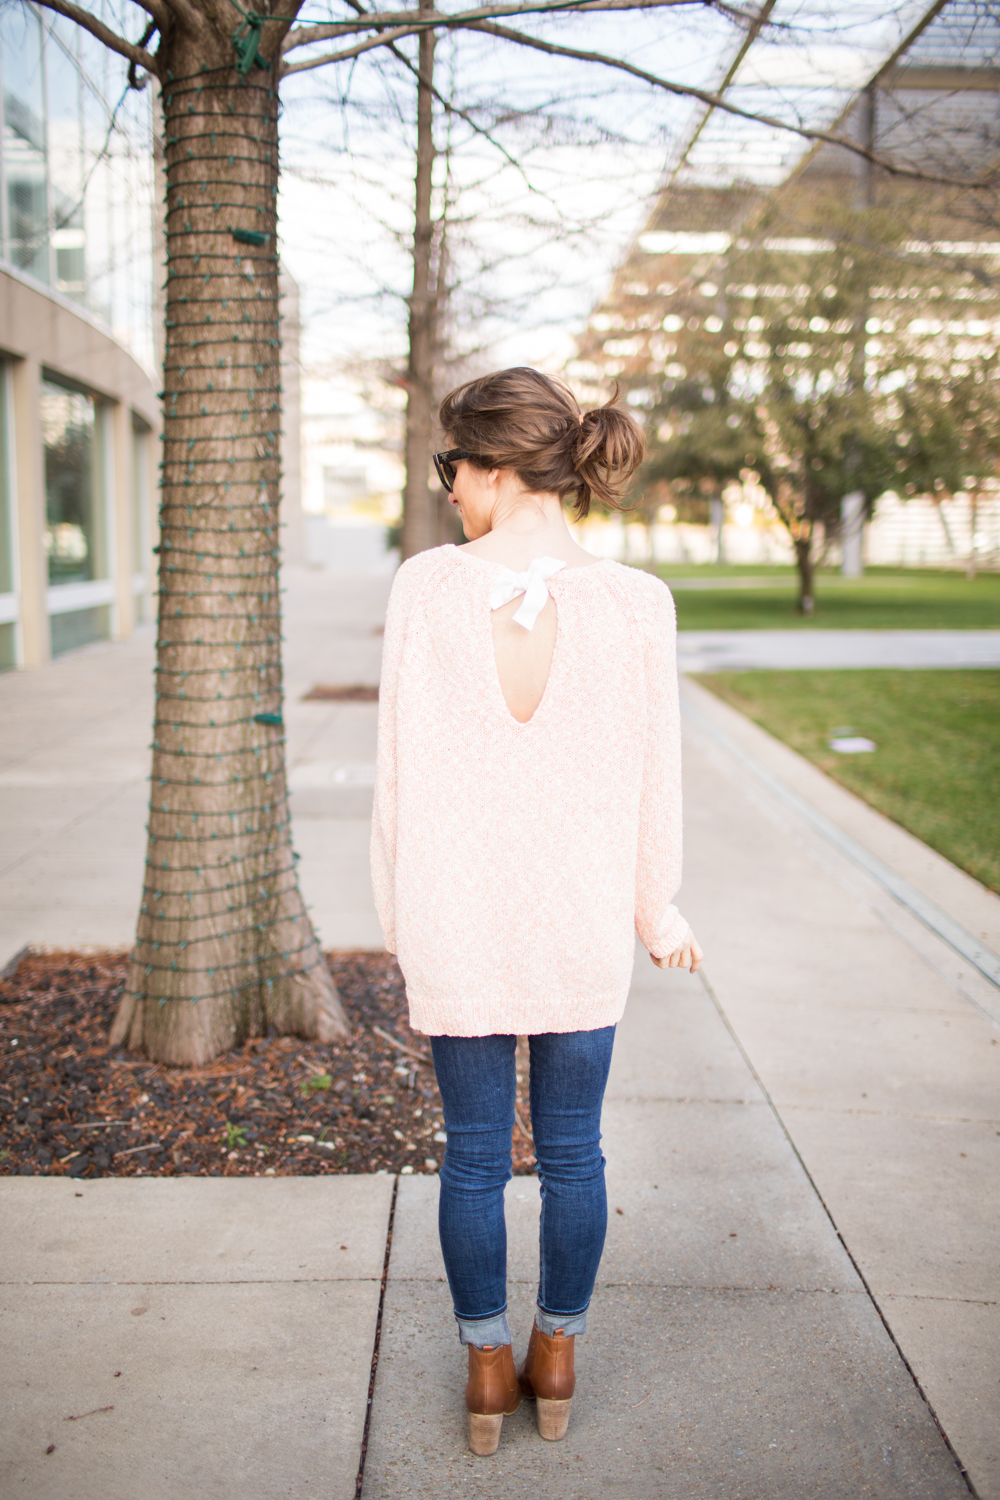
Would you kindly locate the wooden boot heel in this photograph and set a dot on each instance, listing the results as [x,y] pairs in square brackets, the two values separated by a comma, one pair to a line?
[552,1418]
[484,1434]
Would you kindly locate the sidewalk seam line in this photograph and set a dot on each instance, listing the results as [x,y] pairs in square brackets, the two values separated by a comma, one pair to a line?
[227,1281]
[836,1229]
[359,1483]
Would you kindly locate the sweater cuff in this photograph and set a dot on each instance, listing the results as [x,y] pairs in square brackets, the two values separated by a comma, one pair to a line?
[672,930]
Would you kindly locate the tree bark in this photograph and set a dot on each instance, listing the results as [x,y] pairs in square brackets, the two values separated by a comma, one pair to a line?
[419,510]
[804,563]
[225,947]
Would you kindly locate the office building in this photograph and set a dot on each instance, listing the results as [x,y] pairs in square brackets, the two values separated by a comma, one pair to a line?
[79,413]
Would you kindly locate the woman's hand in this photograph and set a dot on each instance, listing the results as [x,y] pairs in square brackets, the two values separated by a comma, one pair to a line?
[687,956]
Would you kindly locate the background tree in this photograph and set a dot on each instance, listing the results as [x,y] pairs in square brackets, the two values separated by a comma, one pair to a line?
[496,228]
[780,373]
[419,513]
[703,436]
[816,417]
[946,433]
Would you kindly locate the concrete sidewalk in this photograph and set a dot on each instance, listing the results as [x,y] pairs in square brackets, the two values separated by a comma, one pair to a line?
[732,1348]
[802,1282]
[189,1337]
[795,650]
[74,768]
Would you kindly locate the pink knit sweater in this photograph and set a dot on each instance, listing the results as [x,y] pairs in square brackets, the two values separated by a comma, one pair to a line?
[513,863]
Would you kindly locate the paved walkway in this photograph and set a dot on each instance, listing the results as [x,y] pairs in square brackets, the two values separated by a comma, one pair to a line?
[775,650]
[799,1295]
[74,764]
[188,1337]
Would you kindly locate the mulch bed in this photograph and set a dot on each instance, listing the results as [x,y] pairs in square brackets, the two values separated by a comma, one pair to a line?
[72,1106]
[323,693]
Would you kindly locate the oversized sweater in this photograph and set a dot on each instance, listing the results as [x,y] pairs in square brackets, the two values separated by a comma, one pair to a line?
[513,863]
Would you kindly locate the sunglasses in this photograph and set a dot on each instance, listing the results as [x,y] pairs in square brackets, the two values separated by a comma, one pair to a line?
[445,463]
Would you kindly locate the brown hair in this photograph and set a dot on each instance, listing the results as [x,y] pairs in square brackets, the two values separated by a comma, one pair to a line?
[531,423]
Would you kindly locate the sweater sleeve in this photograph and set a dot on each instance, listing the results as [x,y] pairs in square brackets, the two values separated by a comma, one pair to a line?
[658,875]
[405,589]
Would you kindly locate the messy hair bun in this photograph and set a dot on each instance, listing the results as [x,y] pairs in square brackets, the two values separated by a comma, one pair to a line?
[531,423]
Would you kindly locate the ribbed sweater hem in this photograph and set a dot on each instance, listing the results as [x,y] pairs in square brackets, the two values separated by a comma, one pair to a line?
[676,932]
[497,1016]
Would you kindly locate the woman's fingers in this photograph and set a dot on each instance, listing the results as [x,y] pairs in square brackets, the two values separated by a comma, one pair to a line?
[688,956]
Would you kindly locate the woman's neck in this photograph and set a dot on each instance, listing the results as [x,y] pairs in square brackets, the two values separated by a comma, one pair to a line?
[530,526]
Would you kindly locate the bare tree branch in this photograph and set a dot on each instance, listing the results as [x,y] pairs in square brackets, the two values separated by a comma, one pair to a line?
[716,101]
[752,33]
[303,36]
[682,90]
[103,33]
[453,109]
[133,79]
[384,40]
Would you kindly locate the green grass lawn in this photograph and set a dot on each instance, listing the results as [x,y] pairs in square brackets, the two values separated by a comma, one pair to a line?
[884,599]
[937,767]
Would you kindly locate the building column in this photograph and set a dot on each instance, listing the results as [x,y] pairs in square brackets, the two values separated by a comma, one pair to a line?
[852,534]
[29,468]
[123,510]
[293,526]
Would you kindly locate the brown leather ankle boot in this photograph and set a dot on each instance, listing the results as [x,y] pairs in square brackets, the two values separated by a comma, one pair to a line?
[547,1376]
[491,1394]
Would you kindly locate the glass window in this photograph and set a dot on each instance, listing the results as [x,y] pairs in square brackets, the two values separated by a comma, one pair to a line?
[141,439]
[74,485]
[79,628]
[24,154]
[65,154]
[141,436]
[77,196]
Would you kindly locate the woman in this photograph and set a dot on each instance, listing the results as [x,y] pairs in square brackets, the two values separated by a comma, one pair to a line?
[527,823]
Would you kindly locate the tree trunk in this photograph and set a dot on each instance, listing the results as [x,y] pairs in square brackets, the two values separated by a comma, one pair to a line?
[419,510]
[804,562]
[225,947]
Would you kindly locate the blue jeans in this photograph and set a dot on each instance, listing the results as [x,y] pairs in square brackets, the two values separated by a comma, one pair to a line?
[569,1071]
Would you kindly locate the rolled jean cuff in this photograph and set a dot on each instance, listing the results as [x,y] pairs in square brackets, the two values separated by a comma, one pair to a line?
[483,1331]
[551,1323]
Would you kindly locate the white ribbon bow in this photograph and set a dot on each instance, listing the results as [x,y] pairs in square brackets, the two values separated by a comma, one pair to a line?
[531,584]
